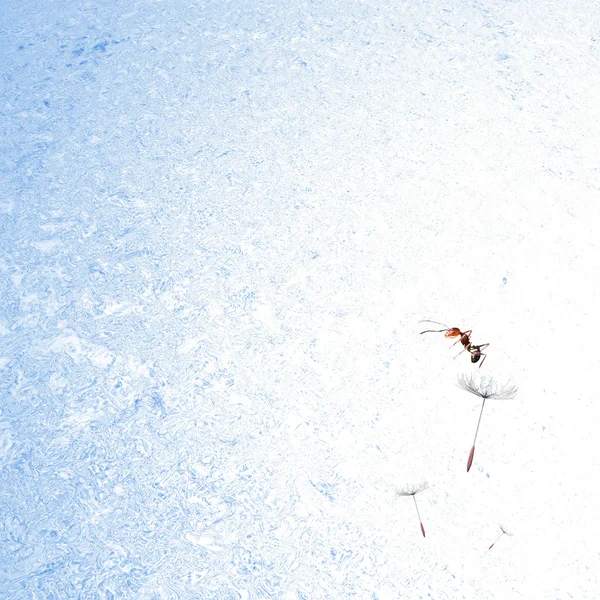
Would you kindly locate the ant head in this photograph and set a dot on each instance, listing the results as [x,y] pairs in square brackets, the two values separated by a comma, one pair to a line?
[453,332]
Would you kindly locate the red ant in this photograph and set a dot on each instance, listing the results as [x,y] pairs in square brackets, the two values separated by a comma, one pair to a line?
[464,337]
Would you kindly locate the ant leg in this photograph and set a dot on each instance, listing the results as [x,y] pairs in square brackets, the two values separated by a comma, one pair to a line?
[482,360]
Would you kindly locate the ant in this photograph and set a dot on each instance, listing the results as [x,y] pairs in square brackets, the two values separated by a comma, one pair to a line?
[464,337]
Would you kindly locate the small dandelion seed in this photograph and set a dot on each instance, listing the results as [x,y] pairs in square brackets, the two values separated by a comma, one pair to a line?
[413,490]
[485,388]
[504,532]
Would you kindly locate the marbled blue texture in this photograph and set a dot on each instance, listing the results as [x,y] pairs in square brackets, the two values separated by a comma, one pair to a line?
[219,224]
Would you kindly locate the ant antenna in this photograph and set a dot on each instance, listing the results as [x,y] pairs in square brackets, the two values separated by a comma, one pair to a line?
[436,322]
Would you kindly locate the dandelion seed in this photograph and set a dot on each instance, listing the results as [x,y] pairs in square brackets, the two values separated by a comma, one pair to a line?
[485,388]
[446,569]
[413,490]
[504,532]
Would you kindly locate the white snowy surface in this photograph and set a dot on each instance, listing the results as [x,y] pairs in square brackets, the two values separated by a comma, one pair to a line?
[221,223]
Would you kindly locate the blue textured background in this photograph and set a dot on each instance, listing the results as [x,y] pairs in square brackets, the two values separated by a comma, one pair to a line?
[220,224]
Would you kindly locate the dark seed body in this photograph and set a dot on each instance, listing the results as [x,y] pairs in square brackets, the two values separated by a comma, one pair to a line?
[470,461]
